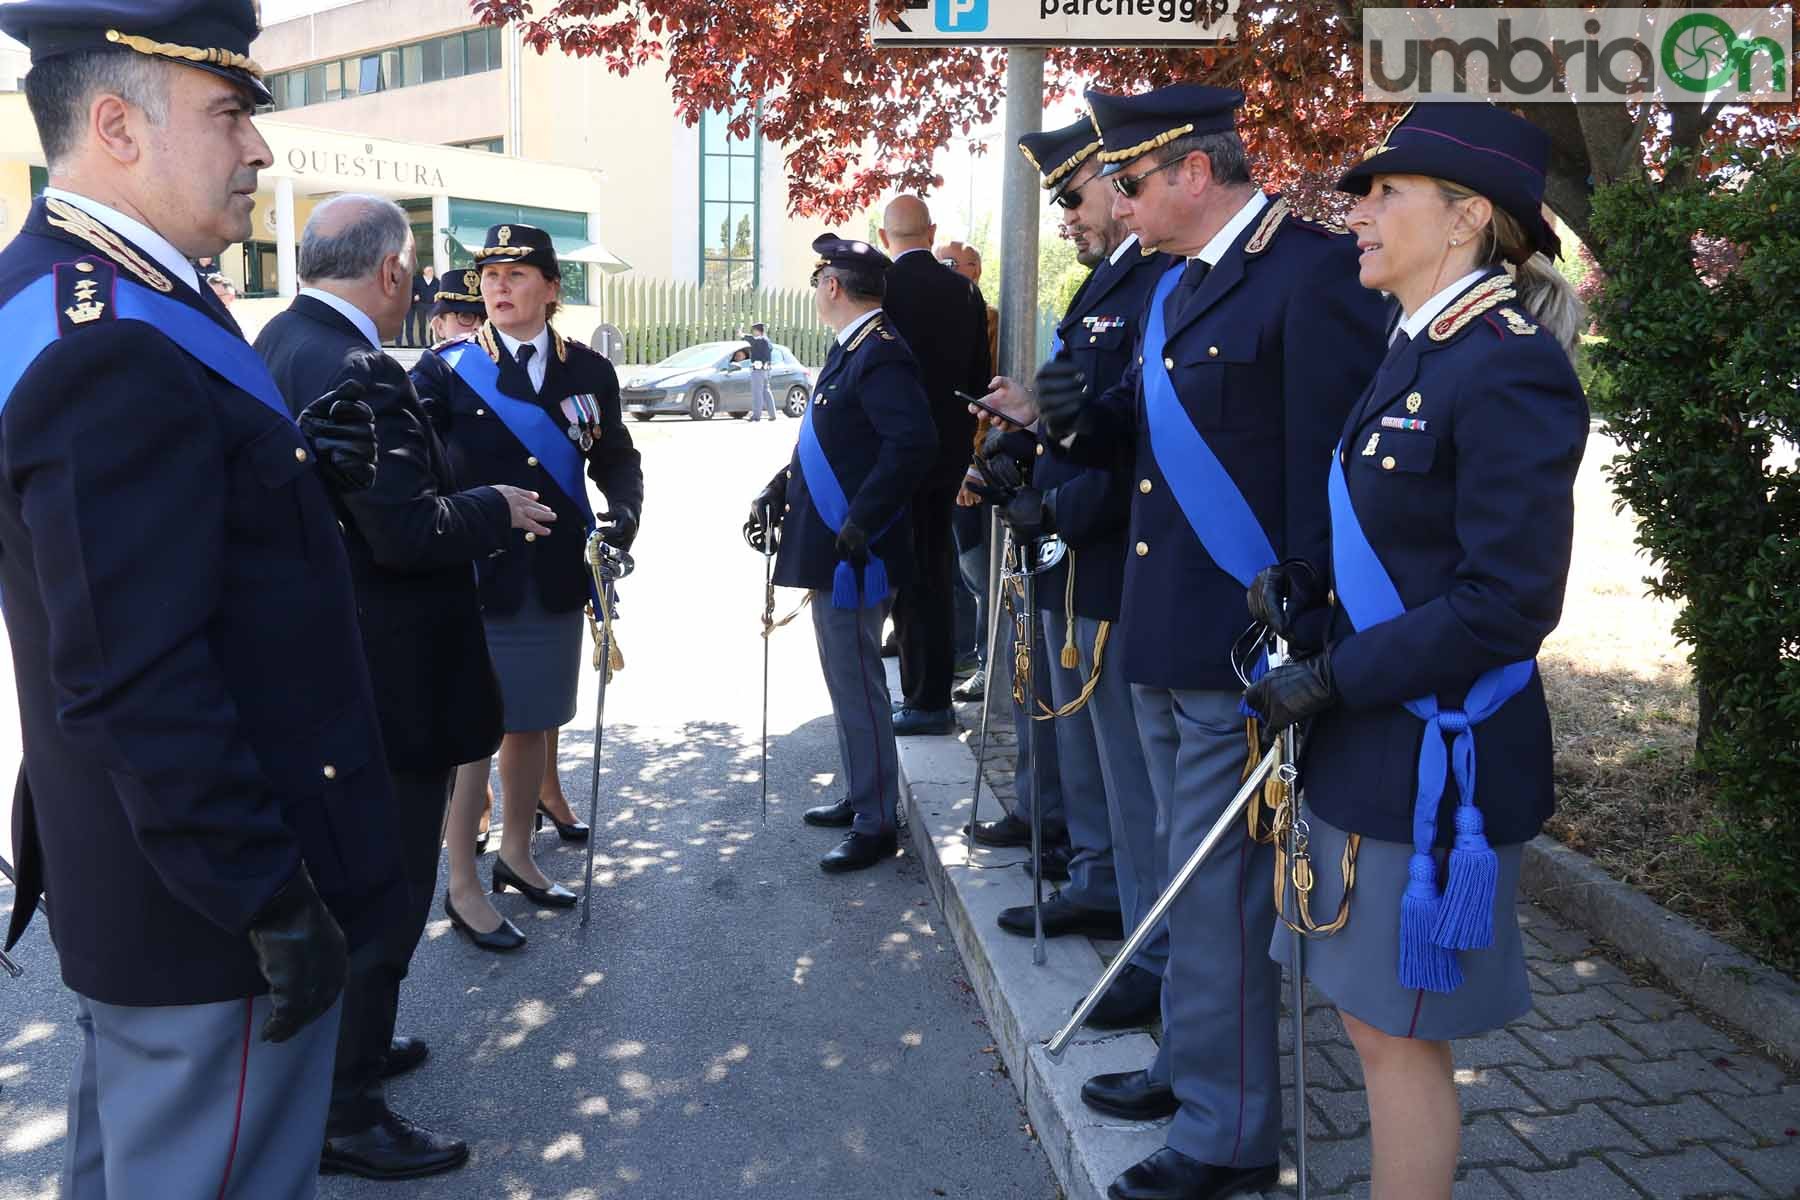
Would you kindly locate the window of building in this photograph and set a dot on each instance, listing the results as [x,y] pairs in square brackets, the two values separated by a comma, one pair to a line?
[470,219]
[259,269]
[493,145]
[730,202]
[449,56]
[40,179]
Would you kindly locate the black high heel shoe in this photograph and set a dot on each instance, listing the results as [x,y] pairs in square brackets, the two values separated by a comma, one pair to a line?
[507,937]
[574,831]
[554,896]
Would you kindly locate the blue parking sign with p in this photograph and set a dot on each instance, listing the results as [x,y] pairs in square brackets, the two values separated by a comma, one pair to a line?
[962,16]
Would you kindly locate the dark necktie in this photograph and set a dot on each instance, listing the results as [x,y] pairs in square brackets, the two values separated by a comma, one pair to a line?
[1192,276]
[525,355]
[1396,348]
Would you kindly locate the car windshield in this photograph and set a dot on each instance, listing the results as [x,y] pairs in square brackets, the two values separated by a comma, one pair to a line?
[703,355]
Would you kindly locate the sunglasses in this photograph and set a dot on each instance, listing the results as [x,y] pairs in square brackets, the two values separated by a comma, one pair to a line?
[1070,199]
[1128,186]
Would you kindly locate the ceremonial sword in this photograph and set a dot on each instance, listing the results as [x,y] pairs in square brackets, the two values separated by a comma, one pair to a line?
[607,564]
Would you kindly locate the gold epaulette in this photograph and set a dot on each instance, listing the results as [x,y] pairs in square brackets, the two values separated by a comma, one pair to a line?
[489,340]
[862,334]
[1496,289]
[1267,227]
[72,220]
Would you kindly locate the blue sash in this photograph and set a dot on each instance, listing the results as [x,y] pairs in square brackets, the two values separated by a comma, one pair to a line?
[31,323]
[1215,510]
[1432,927]
[850,588]
[528,422]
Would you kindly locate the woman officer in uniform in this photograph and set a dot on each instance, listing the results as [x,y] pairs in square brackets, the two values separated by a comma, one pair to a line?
[457,310]
[518,403]
[1428,762]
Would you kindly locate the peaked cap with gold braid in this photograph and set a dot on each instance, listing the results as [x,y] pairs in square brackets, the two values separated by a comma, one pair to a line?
[1132,126]
[459,291]
[516,243]
[1057,153]
[210,35]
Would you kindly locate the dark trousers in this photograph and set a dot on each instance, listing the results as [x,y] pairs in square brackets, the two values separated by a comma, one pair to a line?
[969,527]
[924,610]
[418,325]
[372,991]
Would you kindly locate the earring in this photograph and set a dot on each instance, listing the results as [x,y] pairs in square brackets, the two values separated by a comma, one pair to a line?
[1456,241]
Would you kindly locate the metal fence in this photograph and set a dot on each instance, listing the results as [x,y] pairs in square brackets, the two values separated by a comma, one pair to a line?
[659,318]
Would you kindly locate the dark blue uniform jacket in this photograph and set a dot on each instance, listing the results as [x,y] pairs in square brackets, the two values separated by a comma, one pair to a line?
[482,447]
[411,539]
[1472,516]
[197,716]
[873,422]
[1092,505]
[1266,359]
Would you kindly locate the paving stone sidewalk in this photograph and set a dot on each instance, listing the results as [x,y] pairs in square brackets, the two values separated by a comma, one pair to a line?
[1610,1087]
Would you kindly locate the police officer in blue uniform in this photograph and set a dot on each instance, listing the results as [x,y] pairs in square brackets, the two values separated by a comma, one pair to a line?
[1428,763]
[841,511]
[1250,356]
[1116,867]
[205,793]
[518,404]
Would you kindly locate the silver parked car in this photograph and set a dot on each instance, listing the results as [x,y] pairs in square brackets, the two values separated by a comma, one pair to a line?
[711,378]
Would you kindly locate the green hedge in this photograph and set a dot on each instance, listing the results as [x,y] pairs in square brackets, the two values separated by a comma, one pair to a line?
[1699,377]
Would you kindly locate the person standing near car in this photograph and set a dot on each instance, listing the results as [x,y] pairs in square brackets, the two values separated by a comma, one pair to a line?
[761,355]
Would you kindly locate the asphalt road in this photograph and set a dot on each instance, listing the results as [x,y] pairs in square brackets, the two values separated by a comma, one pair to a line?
[734,1022]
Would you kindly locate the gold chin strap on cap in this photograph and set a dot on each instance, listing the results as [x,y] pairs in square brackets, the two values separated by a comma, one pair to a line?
[1280,801]
[192,54]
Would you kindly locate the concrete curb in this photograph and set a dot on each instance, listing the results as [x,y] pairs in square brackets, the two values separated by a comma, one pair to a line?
[1750,995]
[1024,1003]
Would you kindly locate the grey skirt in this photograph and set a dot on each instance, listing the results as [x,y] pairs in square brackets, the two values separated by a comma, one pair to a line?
[1357,968]
[538,656]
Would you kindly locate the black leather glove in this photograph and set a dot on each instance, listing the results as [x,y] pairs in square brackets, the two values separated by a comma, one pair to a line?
[341,429]
[772,498]
[1062,394]
[753,536]
[1293,692]
[853,544]
[1001,475]
[618,527]
[1027,514]
[1280,594]
[301,952]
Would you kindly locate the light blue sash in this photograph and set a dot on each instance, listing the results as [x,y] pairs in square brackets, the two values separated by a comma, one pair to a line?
[1432,927]
[1215,510]
[30,321]
[850,588]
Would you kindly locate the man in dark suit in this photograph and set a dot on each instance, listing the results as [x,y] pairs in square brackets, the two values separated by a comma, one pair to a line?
[203,789]
[943,317]
[411,539]
[418,314]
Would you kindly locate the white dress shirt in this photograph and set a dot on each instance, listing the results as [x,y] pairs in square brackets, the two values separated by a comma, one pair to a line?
[351,313]
[171,260]
[1413,324]
[849,331]
[1221,241]
[540,361]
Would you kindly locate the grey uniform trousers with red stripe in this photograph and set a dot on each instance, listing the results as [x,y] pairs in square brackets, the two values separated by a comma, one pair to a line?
[188,1102]
[1221,993]
[850,655]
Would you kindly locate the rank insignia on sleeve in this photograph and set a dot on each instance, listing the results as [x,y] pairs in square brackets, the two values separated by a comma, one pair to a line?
[83,293]
[1518,324]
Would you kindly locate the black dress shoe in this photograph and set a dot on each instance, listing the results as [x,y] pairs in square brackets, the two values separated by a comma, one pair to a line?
[859,850]
[392,1148]
[916,722]
[404,1053]
[1055,862]
[481,842]
[507,937]
[1007,831]
[1131,1095]
[831,816]
[1171,1175]
[1062,918]
[972,688]
[1134,1000]
[573,831]
[554,896]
